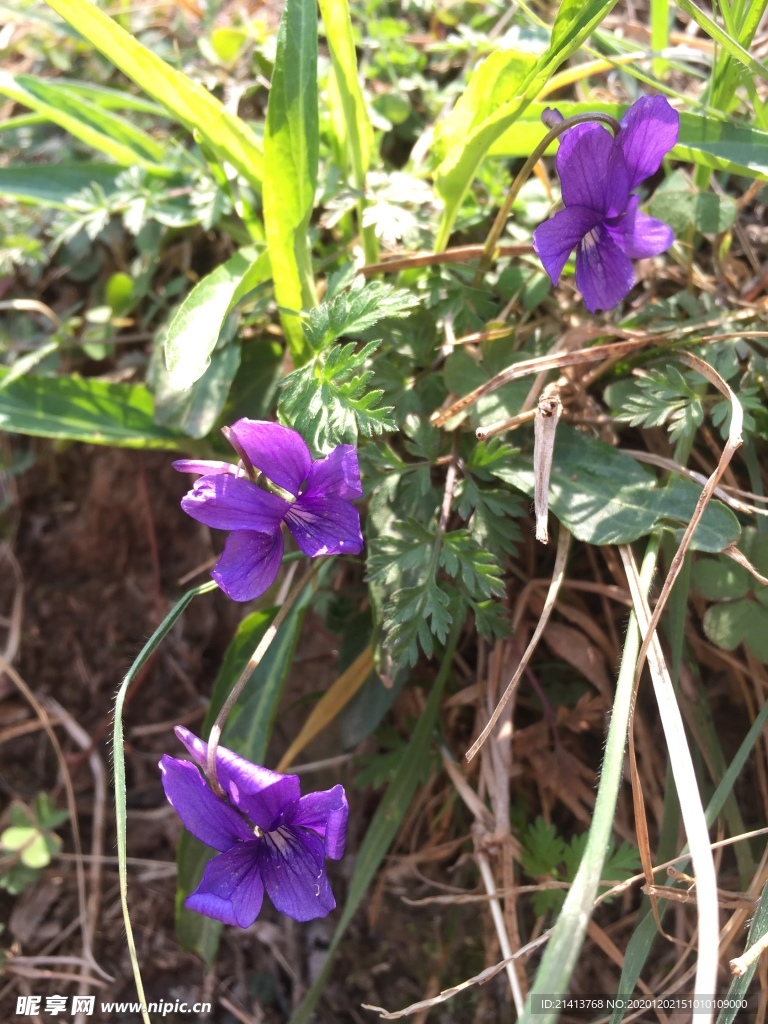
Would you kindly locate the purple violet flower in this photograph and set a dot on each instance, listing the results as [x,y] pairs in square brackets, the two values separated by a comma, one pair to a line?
[601,219]
[268,836]
[313,498]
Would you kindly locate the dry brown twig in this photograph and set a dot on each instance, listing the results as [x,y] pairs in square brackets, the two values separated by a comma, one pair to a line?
[558,574]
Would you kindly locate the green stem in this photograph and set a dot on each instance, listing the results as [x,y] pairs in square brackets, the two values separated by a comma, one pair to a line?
[563,950]
[119,760]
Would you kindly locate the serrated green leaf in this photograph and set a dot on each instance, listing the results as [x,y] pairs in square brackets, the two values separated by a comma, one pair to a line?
[355,311]
[329,400]
[542,849]
[479,571]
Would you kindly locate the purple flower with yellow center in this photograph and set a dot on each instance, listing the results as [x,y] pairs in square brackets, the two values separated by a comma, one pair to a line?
[268,836]
[314,499]
[601,220]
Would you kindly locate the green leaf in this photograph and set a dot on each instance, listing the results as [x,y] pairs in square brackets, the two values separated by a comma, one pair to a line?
[720,579]
[291,148]
[227,43]
[194,411]
[733,622]
[574,22]
[731,46]
[684,207]
[109,133]
[107,98]
[479,571]
[329,400]
[253,391]
[722,145]
[737,990]
[604,497]
[543,849]
[663,396]
[190,104]
[463,374]
[247,732]
[355,311]
[496,80]
[55,186]
[351,121]
[196,328]
[120,292]
[18,879]
[83,409]
[385,824]
[704,140]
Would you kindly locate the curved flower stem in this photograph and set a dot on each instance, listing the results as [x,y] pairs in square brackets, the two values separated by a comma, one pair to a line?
[501,217]
[245,675]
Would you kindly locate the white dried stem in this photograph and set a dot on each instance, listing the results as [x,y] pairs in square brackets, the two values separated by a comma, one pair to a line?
[548,412]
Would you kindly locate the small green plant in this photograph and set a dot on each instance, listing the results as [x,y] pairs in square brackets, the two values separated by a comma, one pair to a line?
[29,843]
[740,614]
[546,853]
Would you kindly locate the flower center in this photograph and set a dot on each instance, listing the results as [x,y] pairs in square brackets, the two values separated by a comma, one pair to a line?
[590,239]
[280,839]
[279,491]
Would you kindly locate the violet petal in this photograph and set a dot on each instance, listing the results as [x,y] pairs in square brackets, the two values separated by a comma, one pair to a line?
[592,171]
[203,467]
[233,503]
[249,564]
[638,235]
[292,866]
[279,452]
[604,275]
[335,476]
[208,819]
[259,793]
[231,889]
[325,812]
[649,129]
[325,526]
[556,238]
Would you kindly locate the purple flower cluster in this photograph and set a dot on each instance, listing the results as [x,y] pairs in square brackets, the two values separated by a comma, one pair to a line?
[268,835]
[314,499]
[601,220]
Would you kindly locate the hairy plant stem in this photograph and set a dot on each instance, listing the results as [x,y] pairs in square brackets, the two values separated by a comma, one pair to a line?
[502,216]
[254,660]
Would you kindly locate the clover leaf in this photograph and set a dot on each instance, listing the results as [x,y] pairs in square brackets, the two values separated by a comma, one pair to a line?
[740,614]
